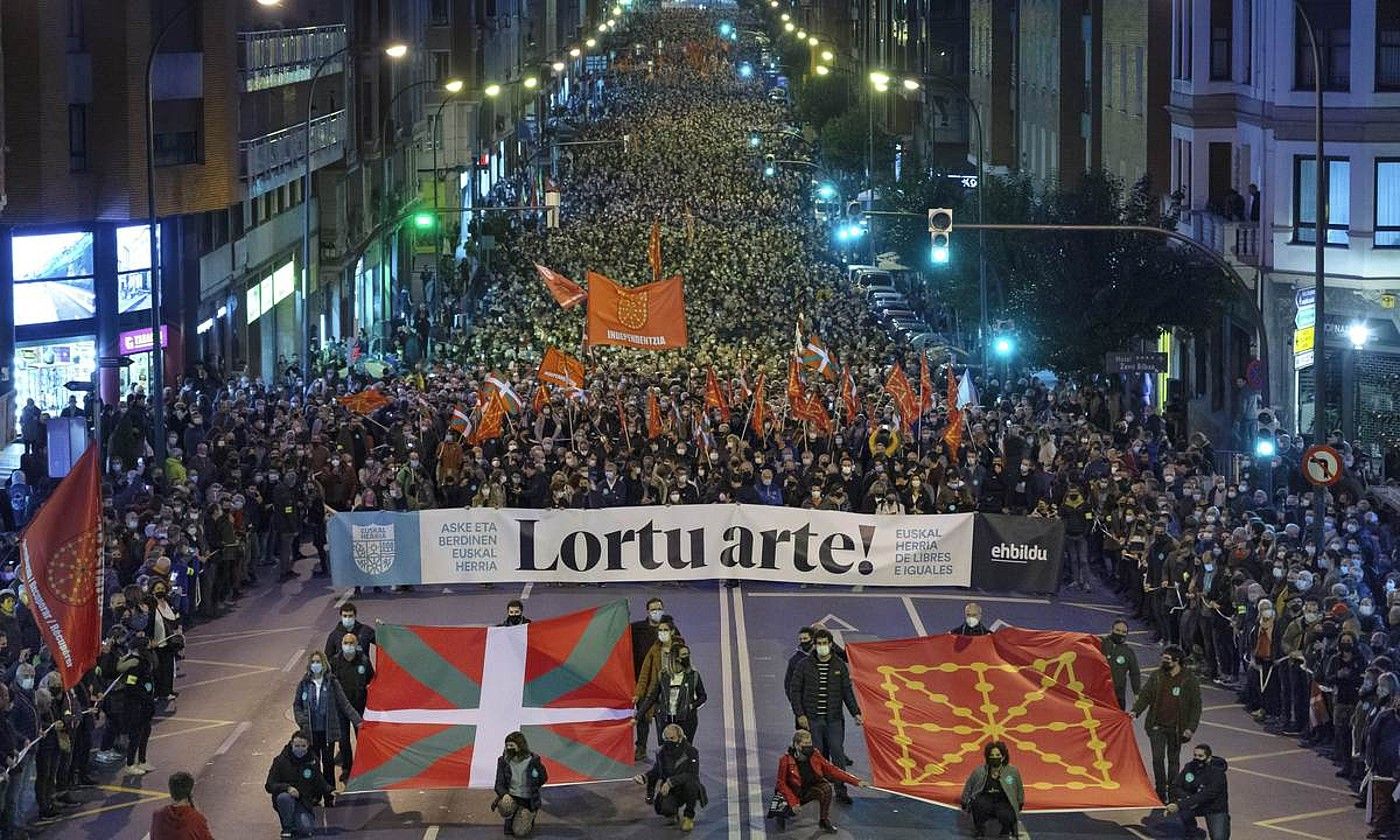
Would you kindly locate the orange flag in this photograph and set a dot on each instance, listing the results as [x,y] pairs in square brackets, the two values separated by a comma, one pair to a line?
[714,395]
[925,385]
[905,401]
[758,416]
[953,435]
[804,406]
[562,370]
[367,401]
[566,292]
[541,397]
[492,420]
[795,392]
[654,426]
[654,252]
[848,396]
[60,565]
[650,317]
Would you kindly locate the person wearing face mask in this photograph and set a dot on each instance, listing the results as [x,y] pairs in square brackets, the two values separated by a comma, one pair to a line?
[1382,757]
[168,639]
[994,791]
[1078,516]
[349,623]
[288,511]
[658,658]
[820,688]
[1122,662]
[644,637]
[519,776]
[24,719]
[297,785]
[135,699]
[673,782]
[1297,681]
[805,776]
[1201,790]
[353,669]
[972,622]
[795,659]
[319,707]
[1172,700]
[1260,640]
[1342,676]
[677,695]
[515,614]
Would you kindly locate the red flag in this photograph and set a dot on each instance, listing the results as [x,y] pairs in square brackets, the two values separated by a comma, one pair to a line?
[561,369]
[714,395]
[444,699]
[905,402]
[795,393]
[61,567]
[367,401]
[848,396]
[925,386]
[566,292]
[622,420]
[654,427]
[650,317]
[953,434]
[541,397]
[931,705]
[654,252]
[492,420]
[758,415]
[805,406]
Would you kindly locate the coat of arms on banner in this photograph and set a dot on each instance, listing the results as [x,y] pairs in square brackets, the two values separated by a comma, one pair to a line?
[632,309]
[372,546]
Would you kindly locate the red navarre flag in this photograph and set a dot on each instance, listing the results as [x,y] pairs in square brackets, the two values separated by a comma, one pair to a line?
[758,415]
[805,406]
[714,395]
[848,396]
[60,565]
[905,400]
[655,428]
[566,292]
[925,386]
[953,434]
[932,703]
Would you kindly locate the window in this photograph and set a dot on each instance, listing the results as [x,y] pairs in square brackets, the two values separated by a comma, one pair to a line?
[270,290]
[77,138]
[1332,25]
[53,277]
[1122,77]
[75,26]
[441,12]
[134,267]
[179,140]
[1247,36]
[1305,200]
[1388,46]
[442,65]
[1107,81]
[185,22]
[1183,19]
[1388,203]
[1221,24]
[1140,84]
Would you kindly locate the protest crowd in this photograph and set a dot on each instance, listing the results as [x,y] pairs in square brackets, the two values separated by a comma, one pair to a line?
[1217,559]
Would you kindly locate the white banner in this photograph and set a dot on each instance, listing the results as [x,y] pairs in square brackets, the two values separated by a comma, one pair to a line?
[680,542]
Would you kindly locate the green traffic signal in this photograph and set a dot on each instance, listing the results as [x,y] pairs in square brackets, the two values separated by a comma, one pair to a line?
[424,221]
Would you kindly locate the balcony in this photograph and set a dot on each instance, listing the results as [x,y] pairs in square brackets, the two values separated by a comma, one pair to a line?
[276,57]
[275,159]
[1236,241]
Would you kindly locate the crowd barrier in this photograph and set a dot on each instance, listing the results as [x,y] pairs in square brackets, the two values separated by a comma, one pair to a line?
[695,543]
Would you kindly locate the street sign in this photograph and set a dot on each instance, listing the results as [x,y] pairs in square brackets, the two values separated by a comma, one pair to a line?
[1305,317]
[1302,360]
[1303,339]
[1304,297]
[1131,362]
[114,362]
[78,385]
[1322,465]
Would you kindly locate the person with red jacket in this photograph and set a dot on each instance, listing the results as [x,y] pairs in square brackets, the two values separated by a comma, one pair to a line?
[180,820]
[805,775]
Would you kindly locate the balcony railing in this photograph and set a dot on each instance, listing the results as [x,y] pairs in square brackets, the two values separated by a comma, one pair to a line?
[275,159]
[277,57]
[1235,240]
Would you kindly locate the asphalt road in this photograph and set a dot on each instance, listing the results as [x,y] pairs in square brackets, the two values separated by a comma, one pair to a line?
[237,681]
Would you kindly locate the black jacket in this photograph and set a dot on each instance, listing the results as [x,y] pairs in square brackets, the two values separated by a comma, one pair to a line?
[677,766]
[354,675]
[1201,787]
[803,692]
[363,632]
[690,696]
[535,778]
[337,706]
[304,774]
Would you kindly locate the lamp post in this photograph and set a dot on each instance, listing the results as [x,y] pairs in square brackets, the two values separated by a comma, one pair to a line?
[152,236]
[453,88]
[1358,334]
[1319,274]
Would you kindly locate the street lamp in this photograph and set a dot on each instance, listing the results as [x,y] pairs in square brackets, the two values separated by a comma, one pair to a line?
[453,88]
[575,52]
[823,70]
[828,56]
[591,43]
[396,50]
[812,40]
[492,90]
[152,237]
[786,17]
[1358,334]
[789,26]
[557,67]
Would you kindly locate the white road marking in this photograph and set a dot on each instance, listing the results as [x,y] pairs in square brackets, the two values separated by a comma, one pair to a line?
[914,616]
[344,598]
[757,811]
[431,833]
[292,663]
[731,748]
[233,736]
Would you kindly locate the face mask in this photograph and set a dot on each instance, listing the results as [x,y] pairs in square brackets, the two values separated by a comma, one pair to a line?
[27,683]
[671,746]
[995,761]
[347,621]
[1210,567]
[654,615]
[317,667]
[1367,610]
[683,661]
[805,647]
[972,620]
[823,650]
[348,650]
[1119,638]
[299,752]
[1310,616]
[1302,585]
[663,636]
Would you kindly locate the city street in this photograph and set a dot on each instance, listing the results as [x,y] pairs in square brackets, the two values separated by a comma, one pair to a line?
[235,714]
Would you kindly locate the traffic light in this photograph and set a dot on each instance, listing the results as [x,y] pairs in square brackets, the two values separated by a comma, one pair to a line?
[826,192]
[424,220]
[755,141]
[726,28]
[770,166]
[1264,446]
[940,232]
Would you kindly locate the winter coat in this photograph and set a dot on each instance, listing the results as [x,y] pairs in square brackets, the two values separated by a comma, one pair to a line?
[676,766]
[651,666]
[179,822]
[790,777]
[304,774]
[535,778]
[1122,663]
[354,676]
[363,632]
[336,706]
[1189,699]
[803,693]
[1010,785]
[1383,743]
[690,696]
[1201,787]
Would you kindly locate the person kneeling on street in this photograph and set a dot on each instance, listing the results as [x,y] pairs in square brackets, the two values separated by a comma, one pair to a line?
[804,775]
[1201,790]
[994,791]
[519,777]
[296,784]
[673,782]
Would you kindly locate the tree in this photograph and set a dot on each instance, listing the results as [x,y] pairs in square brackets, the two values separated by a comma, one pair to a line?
[820,98]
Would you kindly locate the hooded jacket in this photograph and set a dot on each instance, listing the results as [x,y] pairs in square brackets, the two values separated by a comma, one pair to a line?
[179,822]
[304,774]
[1201,787]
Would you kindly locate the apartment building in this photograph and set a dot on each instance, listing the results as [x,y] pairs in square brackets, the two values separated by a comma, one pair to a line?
[1242,114]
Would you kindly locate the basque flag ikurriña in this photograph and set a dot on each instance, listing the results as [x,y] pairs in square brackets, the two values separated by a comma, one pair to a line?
[444,699]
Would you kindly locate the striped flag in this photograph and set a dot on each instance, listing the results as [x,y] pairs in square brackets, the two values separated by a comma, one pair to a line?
[815,356]
[496,384]
[461,421]
[444,699]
